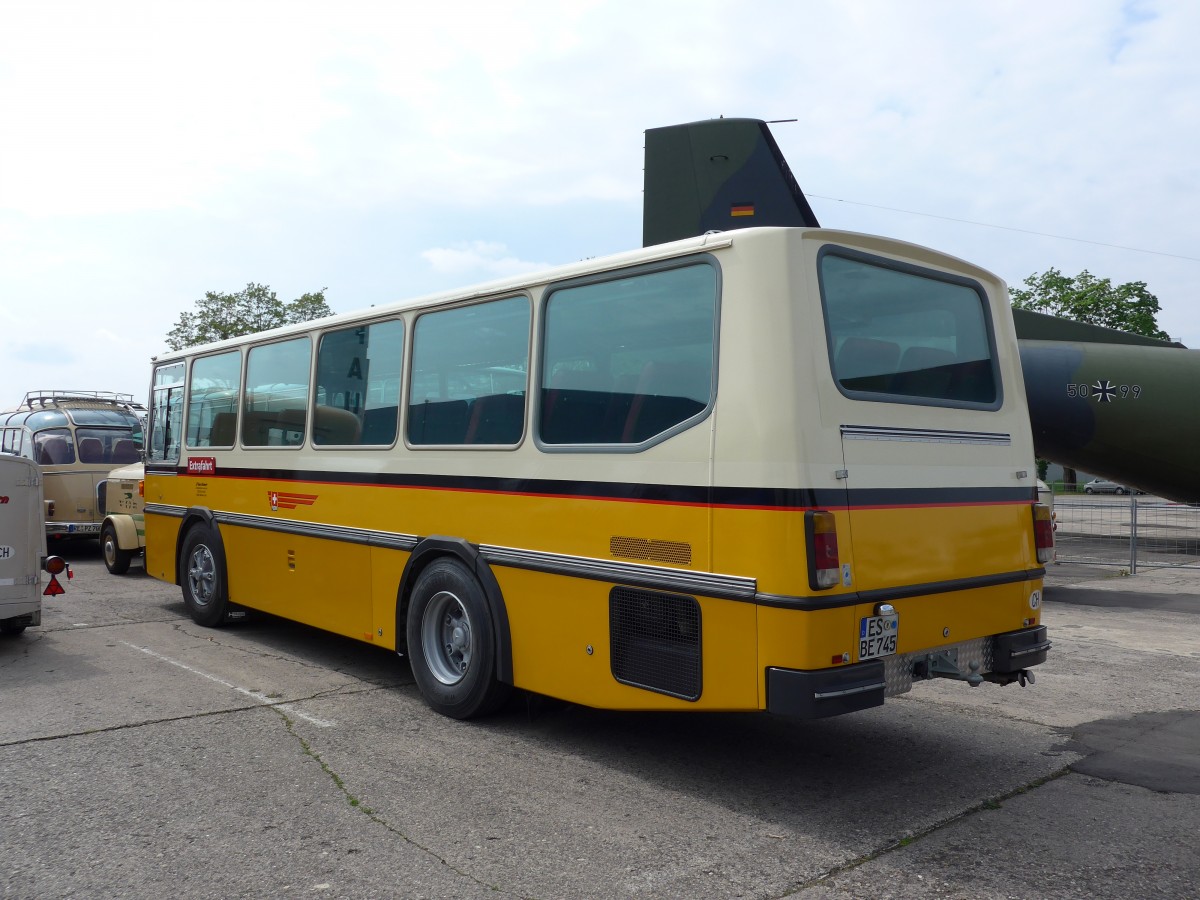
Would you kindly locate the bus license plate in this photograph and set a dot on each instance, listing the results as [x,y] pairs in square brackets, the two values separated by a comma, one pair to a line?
[877,636]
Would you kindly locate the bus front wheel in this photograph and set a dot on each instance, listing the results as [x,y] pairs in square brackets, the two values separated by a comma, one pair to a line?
[116,560]
[452,643]
[203,577]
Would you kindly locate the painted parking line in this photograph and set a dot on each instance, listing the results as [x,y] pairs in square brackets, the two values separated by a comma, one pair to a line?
[257,696]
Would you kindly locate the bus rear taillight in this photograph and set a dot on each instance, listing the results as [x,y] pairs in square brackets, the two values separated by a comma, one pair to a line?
[1043,532]
[820,535]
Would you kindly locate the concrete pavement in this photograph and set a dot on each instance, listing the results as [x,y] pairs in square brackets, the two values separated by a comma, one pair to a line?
[144,755]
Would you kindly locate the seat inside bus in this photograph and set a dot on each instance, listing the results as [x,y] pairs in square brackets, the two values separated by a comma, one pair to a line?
[125,451]
[55,451]
[91,450]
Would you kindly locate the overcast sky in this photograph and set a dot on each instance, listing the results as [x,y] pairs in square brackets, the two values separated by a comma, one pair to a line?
[150,152]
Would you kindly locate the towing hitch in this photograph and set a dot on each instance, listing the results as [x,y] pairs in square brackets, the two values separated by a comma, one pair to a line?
[944,664]
[1022,675]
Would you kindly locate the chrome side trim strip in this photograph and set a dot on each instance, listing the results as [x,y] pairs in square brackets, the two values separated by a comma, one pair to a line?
[163,509]
[732,587]
[924,435]
[729,587]
[389,539]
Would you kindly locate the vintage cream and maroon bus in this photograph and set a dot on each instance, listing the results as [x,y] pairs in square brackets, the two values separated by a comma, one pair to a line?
[784,469]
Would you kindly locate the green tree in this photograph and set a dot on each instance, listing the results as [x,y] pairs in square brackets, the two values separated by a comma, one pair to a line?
[1096,301]
[219,316]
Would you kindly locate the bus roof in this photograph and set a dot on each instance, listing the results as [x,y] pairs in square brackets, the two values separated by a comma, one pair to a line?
[476,291]
[654,253]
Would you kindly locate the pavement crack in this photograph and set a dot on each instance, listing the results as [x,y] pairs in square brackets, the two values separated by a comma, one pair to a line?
[340,784]
[991,803]
[127,726]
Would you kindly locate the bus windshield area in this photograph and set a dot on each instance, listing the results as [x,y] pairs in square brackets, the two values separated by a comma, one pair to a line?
[98,446]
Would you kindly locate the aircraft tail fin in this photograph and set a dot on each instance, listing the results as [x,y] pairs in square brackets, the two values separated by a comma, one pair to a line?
[717,175]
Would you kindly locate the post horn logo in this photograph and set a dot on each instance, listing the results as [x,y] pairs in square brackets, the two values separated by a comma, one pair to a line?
[281,500]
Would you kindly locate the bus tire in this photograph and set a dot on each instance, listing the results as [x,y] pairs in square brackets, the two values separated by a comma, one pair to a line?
[452,642]
[202,577]
[116,560]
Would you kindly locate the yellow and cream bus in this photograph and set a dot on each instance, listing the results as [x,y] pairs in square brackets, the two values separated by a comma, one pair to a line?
[76,438]
[781,469]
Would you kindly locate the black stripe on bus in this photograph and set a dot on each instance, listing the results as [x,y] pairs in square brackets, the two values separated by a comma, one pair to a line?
[683,495]
[902,592]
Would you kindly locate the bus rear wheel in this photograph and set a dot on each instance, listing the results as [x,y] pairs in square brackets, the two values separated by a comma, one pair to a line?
[116,560]
[452,643]
[203,577]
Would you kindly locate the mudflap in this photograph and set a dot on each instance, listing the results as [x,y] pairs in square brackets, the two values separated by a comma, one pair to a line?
[827,692]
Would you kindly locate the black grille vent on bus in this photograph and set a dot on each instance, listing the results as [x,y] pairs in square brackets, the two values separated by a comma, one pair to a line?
[656,641]
[101,499]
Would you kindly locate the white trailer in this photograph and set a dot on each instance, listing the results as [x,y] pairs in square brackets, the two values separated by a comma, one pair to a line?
[22,545]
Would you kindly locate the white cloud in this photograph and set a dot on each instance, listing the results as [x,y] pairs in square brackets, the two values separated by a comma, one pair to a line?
[154,151]
[478,259]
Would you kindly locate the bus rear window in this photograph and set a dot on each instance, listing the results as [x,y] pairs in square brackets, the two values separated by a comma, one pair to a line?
[906,335]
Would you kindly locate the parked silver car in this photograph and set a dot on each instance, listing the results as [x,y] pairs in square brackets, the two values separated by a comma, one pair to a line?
[1100,486]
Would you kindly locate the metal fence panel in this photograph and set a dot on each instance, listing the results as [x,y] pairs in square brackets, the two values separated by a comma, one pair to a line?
[1126,531]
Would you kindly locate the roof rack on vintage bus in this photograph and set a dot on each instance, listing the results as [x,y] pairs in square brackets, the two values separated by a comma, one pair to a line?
[44,398]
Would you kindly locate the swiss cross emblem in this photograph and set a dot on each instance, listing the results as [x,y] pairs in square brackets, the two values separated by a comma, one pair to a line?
[286,500]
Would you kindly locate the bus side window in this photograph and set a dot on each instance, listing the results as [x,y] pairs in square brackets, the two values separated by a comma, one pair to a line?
[335,426]
[469,375]
[223,430]
[665,395]
[358,385]
[496,419]
[438,422]
[379,425]
[652,337]
[576,408]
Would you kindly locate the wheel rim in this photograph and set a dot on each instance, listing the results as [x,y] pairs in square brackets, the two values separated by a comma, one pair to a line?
[446,638]
[110,550]
[202,575]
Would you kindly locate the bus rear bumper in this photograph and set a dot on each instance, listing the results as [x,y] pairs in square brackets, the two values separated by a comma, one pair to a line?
[1001,659]
[827,692]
